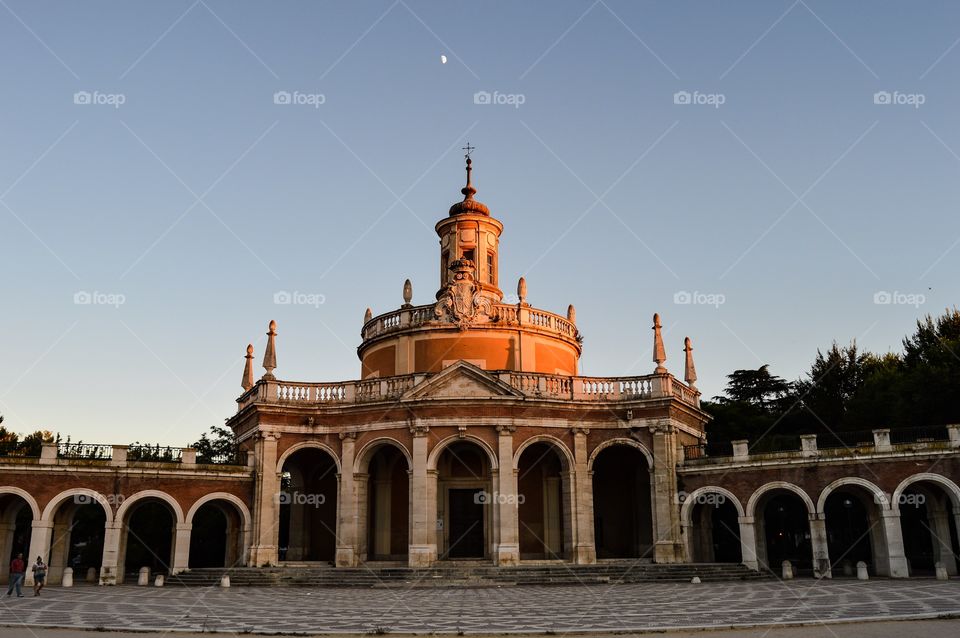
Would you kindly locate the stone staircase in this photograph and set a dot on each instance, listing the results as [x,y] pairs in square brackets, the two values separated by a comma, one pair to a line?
[460,575]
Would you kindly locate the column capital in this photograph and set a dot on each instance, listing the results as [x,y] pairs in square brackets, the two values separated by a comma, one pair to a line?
[662,426]
[418,430]
[348,435]
[506,430]
[269,435]
[579,430]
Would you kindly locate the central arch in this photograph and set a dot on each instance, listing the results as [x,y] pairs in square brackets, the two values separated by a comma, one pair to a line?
[782,513]
[382,473]
[464,471]
[544,506]
[622,500]
[710,518]
[308,498]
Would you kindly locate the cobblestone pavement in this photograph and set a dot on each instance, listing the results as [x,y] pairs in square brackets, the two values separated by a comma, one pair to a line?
[560,609]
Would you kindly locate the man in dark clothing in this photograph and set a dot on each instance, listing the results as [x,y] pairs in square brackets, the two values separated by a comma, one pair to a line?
[17,569]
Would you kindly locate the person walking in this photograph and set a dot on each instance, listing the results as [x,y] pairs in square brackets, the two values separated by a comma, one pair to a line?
[39,575]
[17,569]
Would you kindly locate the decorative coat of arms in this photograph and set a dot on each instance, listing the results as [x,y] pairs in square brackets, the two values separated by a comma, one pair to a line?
[460,303]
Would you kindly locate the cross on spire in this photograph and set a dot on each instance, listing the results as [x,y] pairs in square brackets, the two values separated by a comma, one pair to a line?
[469,149]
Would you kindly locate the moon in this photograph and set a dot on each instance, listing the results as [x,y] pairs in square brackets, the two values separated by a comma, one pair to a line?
[443,59]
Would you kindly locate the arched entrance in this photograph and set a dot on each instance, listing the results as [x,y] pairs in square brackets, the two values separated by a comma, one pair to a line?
[216,536]
[929,526]
[622,514]
[78,533]
[16,520]
[543,486]
[387,505]
[308,506]
[783,530]
[854,531]
[148,532]
[714,528]
[464,497]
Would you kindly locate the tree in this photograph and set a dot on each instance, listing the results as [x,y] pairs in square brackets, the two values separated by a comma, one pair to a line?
[757,387]
[832,381]
[220,444]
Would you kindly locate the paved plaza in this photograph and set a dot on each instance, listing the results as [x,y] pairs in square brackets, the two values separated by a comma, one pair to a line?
[561,609]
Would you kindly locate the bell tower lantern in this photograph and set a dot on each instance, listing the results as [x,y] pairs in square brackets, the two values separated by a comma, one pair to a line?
[470,234]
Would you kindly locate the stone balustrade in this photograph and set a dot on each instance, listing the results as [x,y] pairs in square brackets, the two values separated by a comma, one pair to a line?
[530,384]
[838,444]
[504,314]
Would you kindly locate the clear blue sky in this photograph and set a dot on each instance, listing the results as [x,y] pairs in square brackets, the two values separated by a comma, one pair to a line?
[198,198]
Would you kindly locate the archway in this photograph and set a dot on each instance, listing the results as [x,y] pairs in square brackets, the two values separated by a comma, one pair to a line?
[622,514]
[928,513]
[464,497]
[713,526]
[308,506]
[387,505]
[16,520]
[854,531]
[783,529]
[78,533]
[148,532]
[216,536]
[543,486]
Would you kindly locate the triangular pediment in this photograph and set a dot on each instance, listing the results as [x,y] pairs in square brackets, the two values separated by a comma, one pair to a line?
[461,380]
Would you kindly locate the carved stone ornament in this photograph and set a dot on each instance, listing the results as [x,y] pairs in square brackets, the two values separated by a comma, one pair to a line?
[460,303]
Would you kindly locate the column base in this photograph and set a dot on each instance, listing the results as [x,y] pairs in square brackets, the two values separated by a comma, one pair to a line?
[346,557]
[508,555]
[422,555]
[263,555]
[585,555]
[667,552]
[108,575]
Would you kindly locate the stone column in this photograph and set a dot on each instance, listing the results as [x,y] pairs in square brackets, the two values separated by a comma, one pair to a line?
[584,548]
[505,500]
[266,511]
[6,539]
[423,503]
[748,543]
[111,553]
[818,542]
[41,535]
[59,551]
[347,504]
[893,538]
[181,548]
[667,544]
[940,525]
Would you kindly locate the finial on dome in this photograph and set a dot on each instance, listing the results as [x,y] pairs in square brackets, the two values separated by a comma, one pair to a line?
[270,354]
[368,315]
[522,290]
[659,352]
[689,370]
[247,382]
[468,191]
[571,314]
[469,204]
[407,293]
